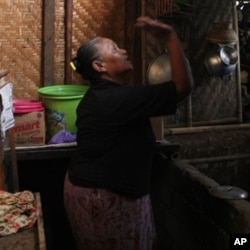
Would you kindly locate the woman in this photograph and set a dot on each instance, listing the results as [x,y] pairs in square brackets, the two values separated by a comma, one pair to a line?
[107,185]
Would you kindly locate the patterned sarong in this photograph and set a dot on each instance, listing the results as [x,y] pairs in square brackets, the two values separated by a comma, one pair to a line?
[103,220]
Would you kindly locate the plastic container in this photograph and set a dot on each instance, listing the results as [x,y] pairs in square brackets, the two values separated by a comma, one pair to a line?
[60,102]
[22,106]
[29,129]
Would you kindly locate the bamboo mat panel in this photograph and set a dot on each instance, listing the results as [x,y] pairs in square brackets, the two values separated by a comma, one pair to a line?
[20,39]
[97,18]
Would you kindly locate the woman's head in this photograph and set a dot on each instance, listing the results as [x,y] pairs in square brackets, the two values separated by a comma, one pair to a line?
[86,54]
[100,57]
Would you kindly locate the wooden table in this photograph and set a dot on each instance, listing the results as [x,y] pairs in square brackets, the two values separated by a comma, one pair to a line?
[68,150]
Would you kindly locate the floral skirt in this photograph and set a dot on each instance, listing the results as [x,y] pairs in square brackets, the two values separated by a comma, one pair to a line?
[103,220]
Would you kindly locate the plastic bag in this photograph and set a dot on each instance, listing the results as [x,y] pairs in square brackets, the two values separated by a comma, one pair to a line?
[63,136]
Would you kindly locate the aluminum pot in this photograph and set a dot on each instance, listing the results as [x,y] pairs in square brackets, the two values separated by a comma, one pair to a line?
[221,61]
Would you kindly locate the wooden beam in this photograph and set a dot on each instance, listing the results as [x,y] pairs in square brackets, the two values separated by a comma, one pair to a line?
[48,42]
[15,176]
[68,40]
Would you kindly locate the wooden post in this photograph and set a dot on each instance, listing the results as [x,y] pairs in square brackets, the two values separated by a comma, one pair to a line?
[68,40]
[48,42]
[1,168]
[10,136]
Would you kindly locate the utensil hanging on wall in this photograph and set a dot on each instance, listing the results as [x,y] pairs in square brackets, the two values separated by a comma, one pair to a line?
[221,60]
[159,69]
[222,33]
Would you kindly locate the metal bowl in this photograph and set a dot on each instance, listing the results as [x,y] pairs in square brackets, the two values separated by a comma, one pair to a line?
[229,55]
[229,192]
[221,61]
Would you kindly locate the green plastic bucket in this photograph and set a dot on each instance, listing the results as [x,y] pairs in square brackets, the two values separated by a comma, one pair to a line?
[60,103]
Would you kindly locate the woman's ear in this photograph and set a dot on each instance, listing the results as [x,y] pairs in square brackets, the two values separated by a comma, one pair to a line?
[98,66]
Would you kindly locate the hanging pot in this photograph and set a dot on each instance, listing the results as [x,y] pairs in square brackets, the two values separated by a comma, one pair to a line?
[221,61]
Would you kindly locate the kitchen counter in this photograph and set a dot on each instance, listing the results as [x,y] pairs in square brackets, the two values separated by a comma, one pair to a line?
[64,150]
[59,152]
[67,150]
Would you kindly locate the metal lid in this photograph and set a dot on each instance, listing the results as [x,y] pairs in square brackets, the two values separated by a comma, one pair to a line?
[228,192]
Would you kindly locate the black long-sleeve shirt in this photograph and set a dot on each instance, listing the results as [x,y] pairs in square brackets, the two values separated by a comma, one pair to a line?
[115,139]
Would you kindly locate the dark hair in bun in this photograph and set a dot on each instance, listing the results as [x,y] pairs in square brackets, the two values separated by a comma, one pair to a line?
[86,54]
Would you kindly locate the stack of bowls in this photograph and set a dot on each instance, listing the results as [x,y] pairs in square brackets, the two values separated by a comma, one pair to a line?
[22,106]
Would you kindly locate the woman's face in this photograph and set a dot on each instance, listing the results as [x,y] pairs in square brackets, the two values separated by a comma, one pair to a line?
[114,60]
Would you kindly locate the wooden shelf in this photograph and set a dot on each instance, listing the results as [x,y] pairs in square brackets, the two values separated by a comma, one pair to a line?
[43,152]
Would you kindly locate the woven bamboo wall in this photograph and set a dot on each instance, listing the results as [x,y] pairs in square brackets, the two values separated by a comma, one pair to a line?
[97,17]
[21,47]
[21,37]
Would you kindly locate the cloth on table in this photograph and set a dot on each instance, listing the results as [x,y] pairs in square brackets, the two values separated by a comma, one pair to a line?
[17,211]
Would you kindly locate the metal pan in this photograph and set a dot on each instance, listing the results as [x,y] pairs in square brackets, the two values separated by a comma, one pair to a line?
[159,69]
